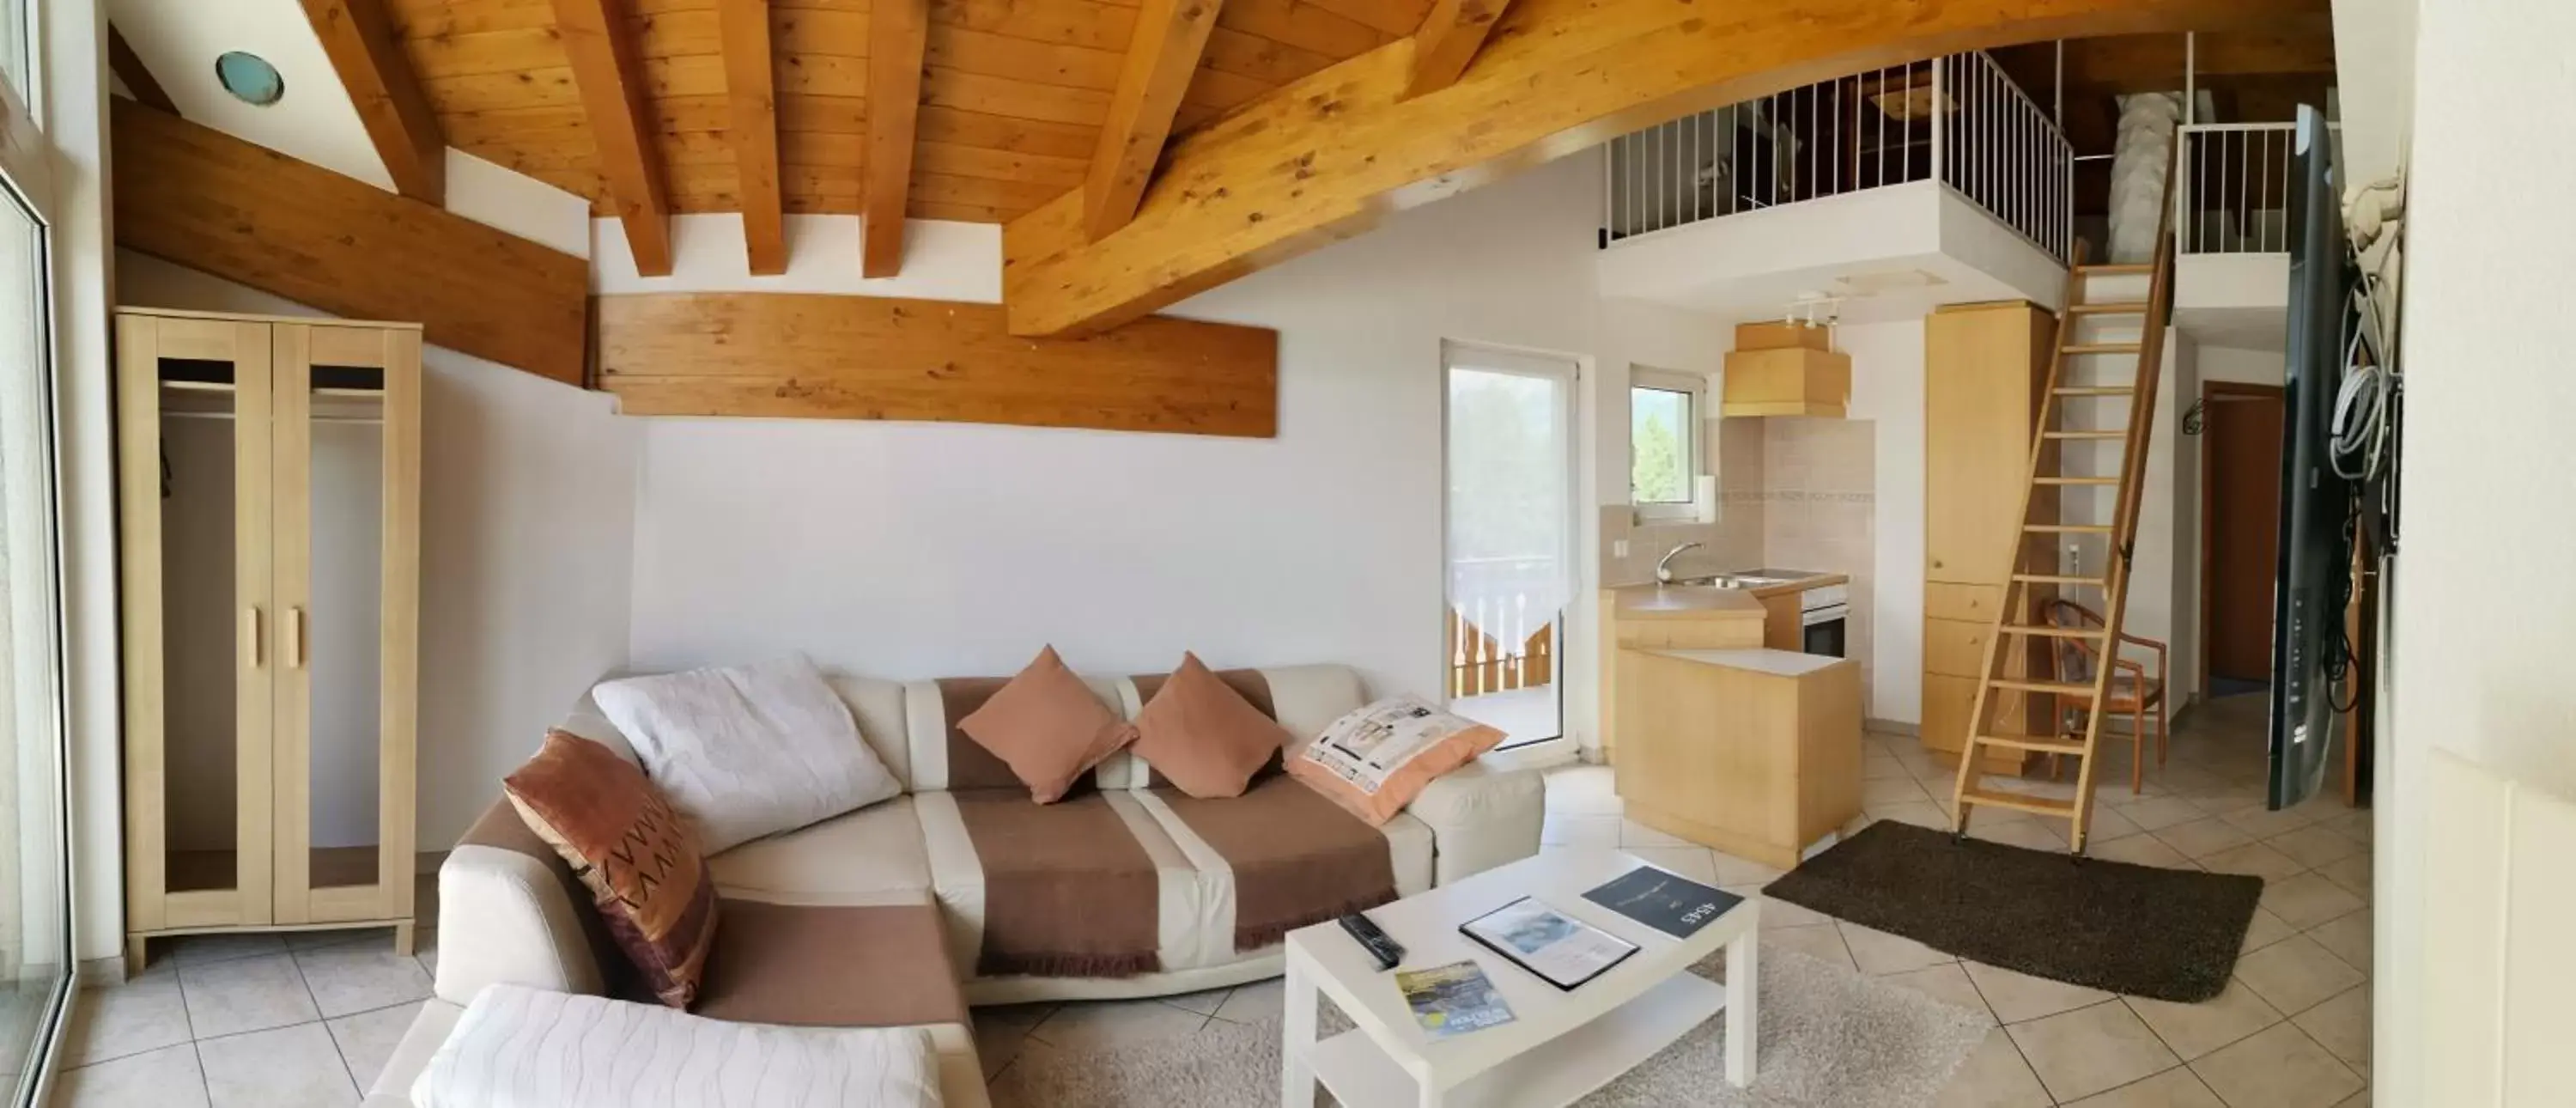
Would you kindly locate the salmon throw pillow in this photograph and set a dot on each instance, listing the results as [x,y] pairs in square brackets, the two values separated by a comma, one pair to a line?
[1048,727]
[1374,761]
[631,849]
[1204,737]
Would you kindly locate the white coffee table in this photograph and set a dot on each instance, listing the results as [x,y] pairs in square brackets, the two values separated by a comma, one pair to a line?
[1563,1045]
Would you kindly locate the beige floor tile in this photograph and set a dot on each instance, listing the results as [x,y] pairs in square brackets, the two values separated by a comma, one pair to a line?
[1204,1002]
[199,950]
[1635,834]
[1879,794]
[1583,790]
[2295,974]
[2018,997]
[288,1067]
[2089,1050]
[2108,824]
[2174,1088]
[2203,837]
[1574,830]
[1255,1002]
[2351,825]
[361,978]
[2347,937]
[1880,766]
[1824,943]
[425,948]
[2141,850]
[2264,930]
[367,1039]
[1689,861]
[166,1078]
[2315,846]
[2279,1068]
[1111,1024]
[1877,952]
[1000,1033]
[1920,814]
[2193,1030]
[2307,900]
[2351,874]
[113,1021]
[1947,982]
[2263,823]
[1994,1076]
[2252,860]
[248,994]
[2357,1100]
[2342,1026]
[2158,813]
[1732,870]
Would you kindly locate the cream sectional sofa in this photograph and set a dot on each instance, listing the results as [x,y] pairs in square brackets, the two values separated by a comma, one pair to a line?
[876,918]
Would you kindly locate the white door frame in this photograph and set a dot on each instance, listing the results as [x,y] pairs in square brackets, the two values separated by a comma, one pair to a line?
[1566,370]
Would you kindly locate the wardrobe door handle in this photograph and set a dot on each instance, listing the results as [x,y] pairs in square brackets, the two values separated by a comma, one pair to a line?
[295,637]
[250,636]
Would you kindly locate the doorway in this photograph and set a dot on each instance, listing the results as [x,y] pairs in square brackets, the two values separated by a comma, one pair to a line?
[1509,511]
[2240,533]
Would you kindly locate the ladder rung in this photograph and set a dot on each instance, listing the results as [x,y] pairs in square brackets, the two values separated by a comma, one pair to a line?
[2069,528]
[2040,806]
[2114,269]
[2079,480]
[2103,348]
[2124,307]
[2059,579]
[2044,746]
[2093,435]
[2046,631]
[2094,390]
[2058,688]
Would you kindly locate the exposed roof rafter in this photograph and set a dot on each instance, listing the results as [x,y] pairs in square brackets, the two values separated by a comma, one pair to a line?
[898,37]
[751,92]
[1170,36]
[611,85]
[1448,40]
[360,40]
[129,68]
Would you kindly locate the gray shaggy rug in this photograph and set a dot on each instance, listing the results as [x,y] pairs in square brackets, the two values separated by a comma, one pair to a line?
[1831,1038]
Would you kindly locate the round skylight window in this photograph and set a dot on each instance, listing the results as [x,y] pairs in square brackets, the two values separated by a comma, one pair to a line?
[250,77]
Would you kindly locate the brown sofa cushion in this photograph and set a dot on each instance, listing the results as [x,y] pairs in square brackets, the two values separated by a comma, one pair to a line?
[1204,737]
[631,850]
[804,965]
[1047,727]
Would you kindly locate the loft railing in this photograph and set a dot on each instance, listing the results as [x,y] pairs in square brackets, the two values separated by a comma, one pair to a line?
[2232,188]
[1958,119]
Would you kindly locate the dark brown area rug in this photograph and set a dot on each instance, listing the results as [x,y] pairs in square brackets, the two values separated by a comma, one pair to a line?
[2166,934]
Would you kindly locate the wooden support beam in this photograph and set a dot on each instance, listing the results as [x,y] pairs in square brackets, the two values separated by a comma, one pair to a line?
[1324,157]
[129,68]
[1448,40]
[2122,64]
[898,35]
[368,55]
[1161,59]
[203,199]
[854,357]
[610,81]
[751,90]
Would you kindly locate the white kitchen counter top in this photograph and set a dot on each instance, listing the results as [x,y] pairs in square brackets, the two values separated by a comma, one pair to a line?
[1778,663]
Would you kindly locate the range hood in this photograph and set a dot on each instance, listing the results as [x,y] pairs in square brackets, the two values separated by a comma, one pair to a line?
[1785,369]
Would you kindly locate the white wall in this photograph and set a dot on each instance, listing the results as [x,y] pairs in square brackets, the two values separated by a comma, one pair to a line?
[2484,488]
[2240,366]
[1887,389]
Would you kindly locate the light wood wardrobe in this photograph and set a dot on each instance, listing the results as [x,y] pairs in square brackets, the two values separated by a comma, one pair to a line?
[269,494]
[1985,371]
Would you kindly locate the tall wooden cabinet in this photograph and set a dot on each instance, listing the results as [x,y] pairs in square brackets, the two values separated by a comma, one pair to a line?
[1985,375]
[269,500]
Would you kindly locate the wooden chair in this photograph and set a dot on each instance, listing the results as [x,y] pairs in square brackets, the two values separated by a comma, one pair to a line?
[2132,691]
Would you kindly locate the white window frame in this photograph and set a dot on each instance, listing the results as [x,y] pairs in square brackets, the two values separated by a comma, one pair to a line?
[1694,447]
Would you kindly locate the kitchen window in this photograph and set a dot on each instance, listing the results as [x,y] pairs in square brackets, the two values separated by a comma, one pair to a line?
[1664,452]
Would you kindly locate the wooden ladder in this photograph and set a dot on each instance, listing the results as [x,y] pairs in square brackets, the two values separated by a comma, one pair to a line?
[2020,598]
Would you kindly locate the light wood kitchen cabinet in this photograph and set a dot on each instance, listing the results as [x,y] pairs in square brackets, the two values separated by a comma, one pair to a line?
[1753,752]
[1985,378]
[1668,617]
[1783,370]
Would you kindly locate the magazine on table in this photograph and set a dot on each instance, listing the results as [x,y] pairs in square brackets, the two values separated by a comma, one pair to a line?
[1560,949]
[1674,905]
[1453,1000]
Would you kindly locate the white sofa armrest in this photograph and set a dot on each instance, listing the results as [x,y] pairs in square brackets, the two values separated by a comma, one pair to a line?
[1482,814]
[507,913]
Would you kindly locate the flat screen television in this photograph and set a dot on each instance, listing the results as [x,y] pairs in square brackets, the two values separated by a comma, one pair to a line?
[2316,556]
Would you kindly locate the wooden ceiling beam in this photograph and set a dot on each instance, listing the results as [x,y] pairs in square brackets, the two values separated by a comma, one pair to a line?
[128,67]
[751,92]
[195,196]
[898,37]
[1325,157]
[1448,40]
[2121,64]
[1170,37]
[623,128]
[364,49]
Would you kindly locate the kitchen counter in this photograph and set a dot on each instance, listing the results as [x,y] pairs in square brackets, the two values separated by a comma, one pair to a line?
[1788,588]
[1777,663]
[1754,752]
[1682,601]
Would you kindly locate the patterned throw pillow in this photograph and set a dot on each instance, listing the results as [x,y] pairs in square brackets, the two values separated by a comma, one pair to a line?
[1374,761]
[633,852]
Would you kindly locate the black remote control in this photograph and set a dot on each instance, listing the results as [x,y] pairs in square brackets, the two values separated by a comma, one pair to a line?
[1387,951]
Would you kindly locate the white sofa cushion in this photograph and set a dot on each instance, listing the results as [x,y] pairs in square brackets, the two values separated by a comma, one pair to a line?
[748,751]
[517,1047]
[870,856]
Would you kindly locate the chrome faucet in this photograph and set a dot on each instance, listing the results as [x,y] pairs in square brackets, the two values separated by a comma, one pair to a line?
[1664,568]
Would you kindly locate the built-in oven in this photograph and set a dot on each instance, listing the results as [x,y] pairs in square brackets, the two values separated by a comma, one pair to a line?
[1824,613]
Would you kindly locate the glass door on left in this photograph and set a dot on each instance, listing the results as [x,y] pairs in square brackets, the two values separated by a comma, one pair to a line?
[1510,507]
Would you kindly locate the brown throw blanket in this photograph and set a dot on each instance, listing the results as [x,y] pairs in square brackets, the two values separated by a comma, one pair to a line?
[1068,892]
[1298,858]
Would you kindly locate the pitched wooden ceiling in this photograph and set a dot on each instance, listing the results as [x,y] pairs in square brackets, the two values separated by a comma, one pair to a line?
[1013,93]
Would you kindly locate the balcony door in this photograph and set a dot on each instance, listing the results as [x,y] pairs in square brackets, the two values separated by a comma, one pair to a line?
[1510,524]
